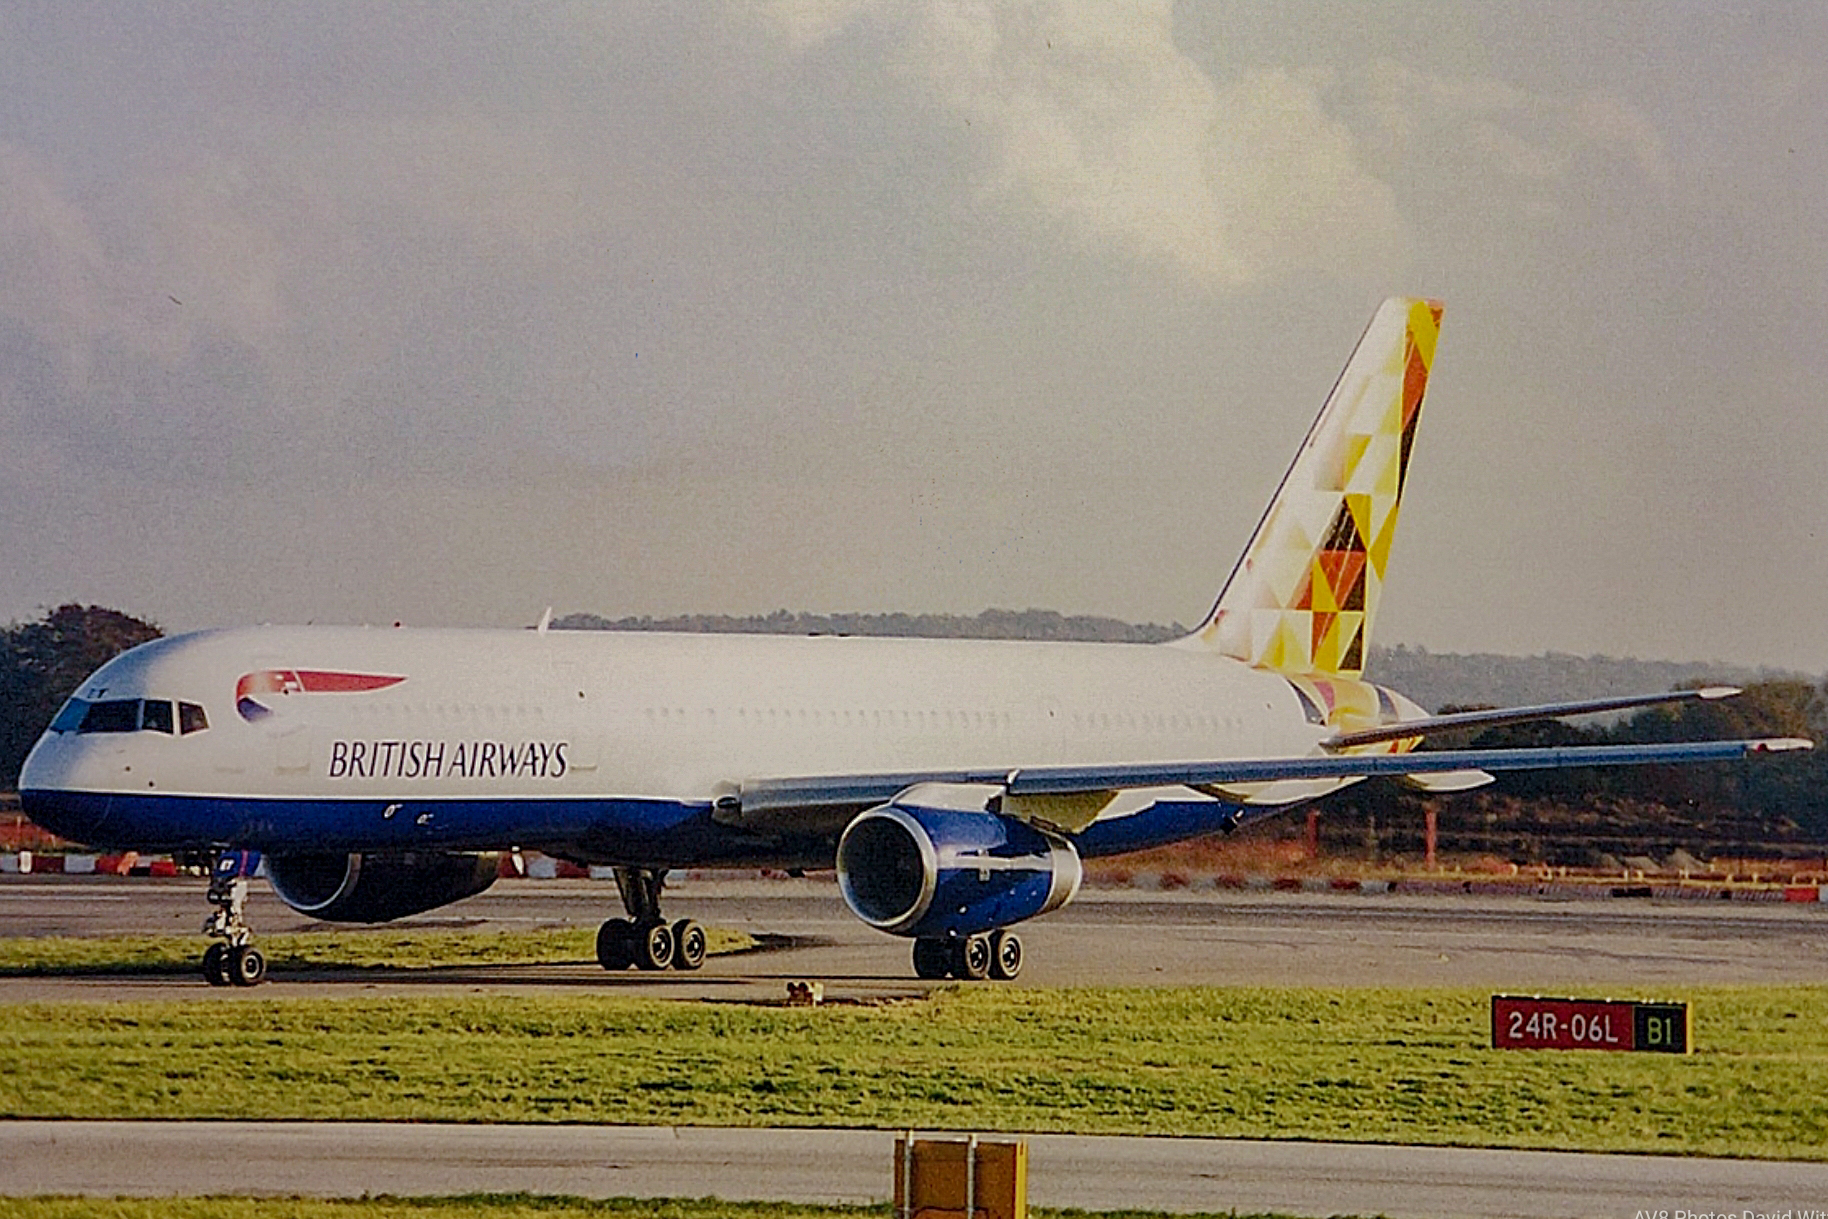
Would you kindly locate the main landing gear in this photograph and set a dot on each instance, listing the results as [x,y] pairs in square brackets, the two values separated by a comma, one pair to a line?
[644,939]
[996,954]
[234,961]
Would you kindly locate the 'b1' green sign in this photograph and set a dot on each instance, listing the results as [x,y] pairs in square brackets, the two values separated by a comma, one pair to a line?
[1661,1027]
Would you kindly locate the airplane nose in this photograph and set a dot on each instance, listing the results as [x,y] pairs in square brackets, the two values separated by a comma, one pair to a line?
[75,816]
[67,813]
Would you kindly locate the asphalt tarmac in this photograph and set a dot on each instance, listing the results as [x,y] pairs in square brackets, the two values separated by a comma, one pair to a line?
[1598,947]
[348,1159]
[1618,946]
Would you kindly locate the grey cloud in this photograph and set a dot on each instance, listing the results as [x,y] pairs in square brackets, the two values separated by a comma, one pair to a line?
[865,306]
[1089,117]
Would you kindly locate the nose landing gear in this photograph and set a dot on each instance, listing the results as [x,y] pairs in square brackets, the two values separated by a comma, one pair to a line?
[645,939]
[234,961]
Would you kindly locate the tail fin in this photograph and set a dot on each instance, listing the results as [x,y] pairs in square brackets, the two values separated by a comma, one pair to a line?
[1301,599]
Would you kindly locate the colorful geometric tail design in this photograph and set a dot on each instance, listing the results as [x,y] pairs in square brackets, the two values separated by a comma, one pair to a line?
[1301,599]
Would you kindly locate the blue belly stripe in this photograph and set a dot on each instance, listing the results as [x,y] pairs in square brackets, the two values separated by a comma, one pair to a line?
[641,832]
[646,832]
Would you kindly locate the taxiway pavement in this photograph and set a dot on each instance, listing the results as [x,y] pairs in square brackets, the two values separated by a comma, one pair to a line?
[344,1160]
[1105,938]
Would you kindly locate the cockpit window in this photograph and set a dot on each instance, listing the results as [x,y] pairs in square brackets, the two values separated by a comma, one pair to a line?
[129,715]
[71,717]
[112,715]
[155,716]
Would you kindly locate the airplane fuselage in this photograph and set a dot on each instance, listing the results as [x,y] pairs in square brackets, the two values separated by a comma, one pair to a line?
[611,747]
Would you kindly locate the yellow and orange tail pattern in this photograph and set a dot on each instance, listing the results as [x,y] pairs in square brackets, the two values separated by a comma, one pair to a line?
[1302,598]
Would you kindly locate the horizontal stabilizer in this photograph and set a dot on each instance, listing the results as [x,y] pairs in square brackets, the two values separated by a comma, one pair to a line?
[1405,729]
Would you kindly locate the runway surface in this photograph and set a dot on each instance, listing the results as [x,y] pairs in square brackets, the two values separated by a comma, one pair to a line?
[1105,938]
[1618,947]
[114,1158]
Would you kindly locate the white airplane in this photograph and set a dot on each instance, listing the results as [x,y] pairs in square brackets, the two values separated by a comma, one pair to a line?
[954,784]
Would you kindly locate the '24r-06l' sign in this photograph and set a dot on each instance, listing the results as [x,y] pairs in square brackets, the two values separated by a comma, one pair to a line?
[1531,1022]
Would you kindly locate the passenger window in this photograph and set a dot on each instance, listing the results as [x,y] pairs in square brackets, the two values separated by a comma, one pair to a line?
[191,718]
[155,716]
[112,715]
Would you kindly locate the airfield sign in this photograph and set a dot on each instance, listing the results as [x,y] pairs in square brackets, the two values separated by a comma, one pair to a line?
[1531,1022]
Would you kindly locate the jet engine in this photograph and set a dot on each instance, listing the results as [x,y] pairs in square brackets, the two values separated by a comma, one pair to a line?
[370,888]
[943,873]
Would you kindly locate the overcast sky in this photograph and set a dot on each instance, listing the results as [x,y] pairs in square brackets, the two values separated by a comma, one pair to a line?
[447,313]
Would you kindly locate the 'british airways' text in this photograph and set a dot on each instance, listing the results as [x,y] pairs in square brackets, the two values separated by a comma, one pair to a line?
[448,760]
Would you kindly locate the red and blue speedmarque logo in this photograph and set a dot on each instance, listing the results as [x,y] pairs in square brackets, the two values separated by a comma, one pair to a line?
[287,682]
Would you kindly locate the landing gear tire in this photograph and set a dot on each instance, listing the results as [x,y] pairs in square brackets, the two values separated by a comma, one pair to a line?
[654,946]
[971,958]
[232,960]
[215,965]
[1005,955]
[688,945]
[616,945]
[246,966]
[645,939]
[932,959]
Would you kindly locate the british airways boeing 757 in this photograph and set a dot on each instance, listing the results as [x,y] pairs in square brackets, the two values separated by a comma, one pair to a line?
[954,785]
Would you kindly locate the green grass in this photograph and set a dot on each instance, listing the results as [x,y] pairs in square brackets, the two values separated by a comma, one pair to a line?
[394,948]
[487,1206]
[1395,1066]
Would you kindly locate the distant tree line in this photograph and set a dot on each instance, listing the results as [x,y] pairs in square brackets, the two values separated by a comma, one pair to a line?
[991,624]
[1761,806]
[1434,679]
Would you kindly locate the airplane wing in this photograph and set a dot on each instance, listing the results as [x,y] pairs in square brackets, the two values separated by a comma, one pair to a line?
[815,804]
[1420,727]
[1065,780]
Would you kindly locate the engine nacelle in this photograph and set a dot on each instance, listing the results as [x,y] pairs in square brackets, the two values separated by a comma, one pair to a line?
[936,872]
[377,888]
